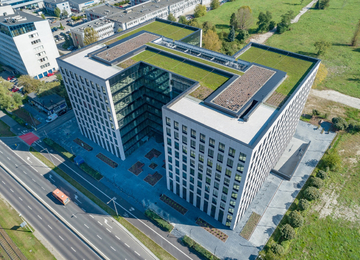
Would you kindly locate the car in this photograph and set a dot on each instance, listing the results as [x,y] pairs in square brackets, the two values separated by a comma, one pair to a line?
[10,78]
[62,112]
[14,89]
[50,74]
[13,80]
[51,118]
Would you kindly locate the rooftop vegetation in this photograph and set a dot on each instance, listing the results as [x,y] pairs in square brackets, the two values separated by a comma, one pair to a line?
[295,68]
[206,78]
[167,30]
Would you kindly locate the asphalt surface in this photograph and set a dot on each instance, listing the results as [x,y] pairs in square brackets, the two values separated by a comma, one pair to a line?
[62,239]
[42,131]
[86,217]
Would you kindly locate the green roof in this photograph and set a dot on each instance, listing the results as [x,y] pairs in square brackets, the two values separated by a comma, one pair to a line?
[295,68]
[206,78]
[168,30]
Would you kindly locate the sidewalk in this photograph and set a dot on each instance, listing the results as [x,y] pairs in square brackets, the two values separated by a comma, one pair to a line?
[14,126]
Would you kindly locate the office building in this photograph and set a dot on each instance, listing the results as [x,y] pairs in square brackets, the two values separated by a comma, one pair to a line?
[63,5]
[19,4]
[225,120]
[81,5]
[27,44]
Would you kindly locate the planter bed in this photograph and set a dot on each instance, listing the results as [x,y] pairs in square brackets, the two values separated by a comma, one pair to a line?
[152,179]
[83,144]
[173,204]
[136,168]
[213,231]
[107,160]
[153,166]
[250,225]
[153,153]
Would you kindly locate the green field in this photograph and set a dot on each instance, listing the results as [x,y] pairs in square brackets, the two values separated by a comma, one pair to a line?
[295,68]
[221,17]
[336,25]
[205,77]
[5,130]
[167,30]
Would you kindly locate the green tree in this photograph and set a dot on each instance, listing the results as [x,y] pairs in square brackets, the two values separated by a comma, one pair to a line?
[182,19]
[311,193]
[242,36]
[243,18]
[64,13]
[17,98]
[200,10]
[316,182]
[171,17]
[43,16]
[211,41]
[194,22]
[304,204]
[90,36]
[356,36]
[231,36]
[285,23]
[61,26]
[331,160]
[322,46]
[208,26]
[264,20]
[30,84]
[296,220]
[57,12]
[287,232]
[233,20]
[277,249]
[324,4]
[6,102]
[214,4]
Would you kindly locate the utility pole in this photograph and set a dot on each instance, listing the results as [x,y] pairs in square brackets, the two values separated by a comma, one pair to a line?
[26,224]
[49,155]
[113,200]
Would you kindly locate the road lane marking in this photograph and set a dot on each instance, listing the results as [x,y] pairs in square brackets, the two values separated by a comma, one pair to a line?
[11,190]
[61,238]
[42,187]
[117,237]
[99,223]
[137,253]
[99,237]
[8,158]
[16,165]
[39,217]
[127,245]
[91,216]
[86,225]
[1,152]
[108,230]
[3,182]
[49,227]
[20,199]
[29,207]
[24,172]
[112,248]
[33,180]
[73,249]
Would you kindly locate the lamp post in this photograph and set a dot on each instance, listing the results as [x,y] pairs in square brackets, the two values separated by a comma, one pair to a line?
[113,200]
[49,155]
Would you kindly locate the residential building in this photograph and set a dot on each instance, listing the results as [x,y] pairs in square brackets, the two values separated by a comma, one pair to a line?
[103,27]
[81,5]
[27,44]
[225,120]
[63,5]
[49,104]
[19,4]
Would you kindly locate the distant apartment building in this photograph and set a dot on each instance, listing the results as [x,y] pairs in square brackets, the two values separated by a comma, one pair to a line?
[136,2]
[63,5]
[225,120]
[80,5]
[138,14]
[27,44]
[18,4]
[103,27]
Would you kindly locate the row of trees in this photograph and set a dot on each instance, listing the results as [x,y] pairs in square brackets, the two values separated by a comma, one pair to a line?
[8,99]
[58,13]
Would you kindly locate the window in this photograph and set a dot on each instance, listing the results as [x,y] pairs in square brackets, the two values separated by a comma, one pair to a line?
[169,141]
[191,187]
[168,131]
[231,152]
[184,139]
[192,153]
[176,135]
[168,121]
[232,203]
[221,147]
[226,181]
[192,163]
[201,158]
[222,205]
[211,153]
[193,133]
[240,167]
[200,176]
[211,142]
[208,171]
[184,183]
[238,177]
[193,144]
[199,184]
[225,190]
[176,145]
[234,195]
[192,171]
[184,158]
[184,149]
[191,179]
[223,197]
[228,172]
[170,174]
[216,185]
[199,192]
[229,217]
[35,42]
[202,138]
[217,176]
[218,167]
[208,180]
[242,157]
[176,154]
[209,162]
[184,175]
[215,193]
[206,196]
[231,210]
[201,148]
[200,167]
[236,187]
[176,125]
[230,162]
[184,129]
[220,157]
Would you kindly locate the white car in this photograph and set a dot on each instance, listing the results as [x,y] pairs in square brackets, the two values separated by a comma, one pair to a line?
[51,118]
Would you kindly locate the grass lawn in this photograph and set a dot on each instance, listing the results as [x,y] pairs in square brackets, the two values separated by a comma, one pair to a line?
[5,130]
[167,30]
[221,16]
[216,65]
[205,77]
[295,68]
[336,25]
[23,239]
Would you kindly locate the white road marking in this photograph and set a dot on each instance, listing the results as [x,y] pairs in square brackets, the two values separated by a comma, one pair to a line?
[3,182]
[42,187]
[99,236]
[91,216]
[49,227]
[61,238]
[112,248]
[29,208]
[11,190]
[137,253]
[105,220]
[8,158]
[108,230]
[99,223]
[73,249]
[39,217]
[33,180]
[24,172]
[127,245]
[1,152]
[86,225]
[20,199]
[16,165]
[117,237]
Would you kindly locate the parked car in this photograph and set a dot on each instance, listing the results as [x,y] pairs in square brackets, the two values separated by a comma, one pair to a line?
[14,89]
[62,112]
[51,118]
[10,78]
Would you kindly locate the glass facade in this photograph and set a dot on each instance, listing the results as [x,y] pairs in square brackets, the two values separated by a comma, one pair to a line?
[16,30]
[138,95]
[193,39]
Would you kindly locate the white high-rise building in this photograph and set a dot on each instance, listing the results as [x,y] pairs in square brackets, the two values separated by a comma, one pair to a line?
[27,44]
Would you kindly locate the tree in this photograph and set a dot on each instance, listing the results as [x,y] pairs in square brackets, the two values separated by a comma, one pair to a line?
[287,232]
[242,36]
[208,26]
[324,4]
[211,41]
[304,204]
[296,220]
[321,174]
[264,21]
[356,36]
[214,4]
[182,19]
[331,160]
[6,101]
[340,123]
[194,22]
[277,249]
[231,36]
[61,26]
[171,17]
[43,16]
[316,182]
[272,25]
[30,84]
[90,36]
[311,193]
[233,20]
[243,18]
[200,10]
[64,13]
[322,46]
[17,98]
[57,12]
[285,23]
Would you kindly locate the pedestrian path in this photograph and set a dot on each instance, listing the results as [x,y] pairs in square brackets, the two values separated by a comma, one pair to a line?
[335,96]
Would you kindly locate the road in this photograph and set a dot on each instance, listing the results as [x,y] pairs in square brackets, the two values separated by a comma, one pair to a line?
[42,131]
[86,217]
[71,247]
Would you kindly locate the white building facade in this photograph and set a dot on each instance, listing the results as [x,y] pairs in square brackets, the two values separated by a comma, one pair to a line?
[63,5]
[27,44]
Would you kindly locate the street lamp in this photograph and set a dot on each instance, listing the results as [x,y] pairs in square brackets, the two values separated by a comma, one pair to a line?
[49,155]
[113,200]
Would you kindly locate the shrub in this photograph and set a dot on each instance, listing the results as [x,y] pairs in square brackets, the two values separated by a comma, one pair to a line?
[331,160]
[304,204]
[340,123]
[316,182]
[315,112]
[311,193]
[272,25]
[296,220]
[242,35]
[287,232]
[277,249]
[164,225]
[321,174]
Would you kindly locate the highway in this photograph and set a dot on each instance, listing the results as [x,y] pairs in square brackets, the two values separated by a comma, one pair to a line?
[111,240]
[61,238]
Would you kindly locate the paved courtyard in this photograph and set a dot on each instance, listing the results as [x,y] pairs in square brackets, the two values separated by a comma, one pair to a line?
[271,203]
